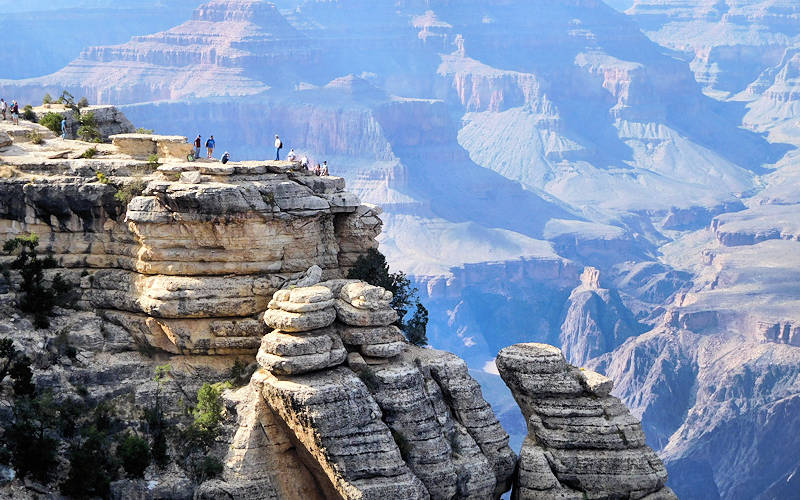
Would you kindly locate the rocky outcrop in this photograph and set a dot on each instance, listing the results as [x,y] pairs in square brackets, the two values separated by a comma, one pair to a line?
[396,422]
[189,264]
[582,442]
[596,320]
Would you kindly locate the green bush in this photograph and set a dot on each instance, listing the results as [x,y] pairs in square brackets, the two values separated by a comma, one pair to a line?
[36,297]
[35,137]
[88,130]
[130,190]
[91,467]
[52,121]
[89,153]
[142,130]
[17,365]
[47,99]
[28,114]
[374,269]
[83,102]
[134,454]
[152,162]
[102,178]
[31,438]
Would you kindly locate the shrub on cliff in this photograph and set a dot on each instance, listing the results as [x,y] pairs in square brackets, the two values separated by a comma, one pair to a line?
[374,269]
[47,99]
[52,121]
[31,437]
[28,114]
[83,102]
[88,130]
[134,454]
[37,297]
[91,466]
[130,190]
[17,366]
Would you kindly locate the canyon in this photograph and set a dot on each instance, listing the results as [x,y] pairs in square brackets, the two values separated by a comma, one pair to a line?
[209,266]
[621,185]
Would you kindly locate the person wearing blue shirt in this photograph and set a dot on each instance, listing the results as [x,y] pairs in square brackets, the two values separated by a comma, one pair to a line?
[63,128]
[210,143]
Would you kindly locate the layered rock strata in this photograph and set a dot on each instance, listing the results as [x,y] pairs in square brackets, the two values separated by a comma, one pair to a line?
[189,265]
[394,421]
[582,442]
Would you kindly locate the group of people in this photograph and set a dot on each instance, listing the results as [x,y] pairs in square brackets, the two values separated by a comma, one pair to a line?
[5,109]
[321,170]
[210,145]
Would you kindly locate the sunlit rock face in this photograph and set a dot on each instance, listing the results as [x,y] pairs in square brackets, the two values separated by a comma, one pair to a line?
[514,144]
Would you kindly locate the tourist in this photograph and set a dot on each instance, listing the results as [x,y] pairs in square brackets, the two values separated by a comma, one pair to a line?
[15,112]
[63,128]
[317,170]
[3,107]
[278,147]
[291,156]
[225,157]
[324,168]
[304,162]
[210,143]
[197,144]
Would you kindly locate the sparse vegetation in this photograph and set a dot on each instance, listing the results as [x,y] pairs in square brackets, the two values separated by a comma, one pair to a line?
[89,153]
[142,130]
[88,130]
[134,454]
[47,99]
[83,102]
[152,162]
[52,121]
[269,198]
[28,114]
[36,296]
[374,269]
[130,190]
[35,137]
[102,178]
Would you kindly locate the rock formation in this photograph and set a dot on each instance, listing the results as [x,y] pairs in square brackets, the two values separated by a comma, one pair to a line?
[394,421]
[582,442]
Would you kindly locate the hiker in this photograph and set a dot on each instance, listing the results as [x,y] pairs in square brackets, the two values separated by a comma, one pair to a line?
[15,112]
[291,156]
[304,162]
[278,147]
[3,107]
[324,168]
[63,128]
[210,143]
[225,157]
[317,170]
[197,144]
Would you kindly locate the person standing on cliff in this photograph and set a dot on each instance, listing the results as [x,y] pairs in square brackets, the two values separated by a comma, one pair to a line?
[210,143]
[197,144]
[63,128]
[15,112]
[324,168]
[3,107]
[278,147]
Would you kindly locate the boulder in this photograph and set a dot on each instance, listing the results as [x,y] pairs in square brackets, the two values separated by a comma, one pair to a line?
[5,140]
[354,316]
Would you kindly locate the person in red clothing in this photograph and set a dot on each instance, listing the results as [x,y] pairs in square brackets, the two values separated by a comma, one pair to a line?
[197,144]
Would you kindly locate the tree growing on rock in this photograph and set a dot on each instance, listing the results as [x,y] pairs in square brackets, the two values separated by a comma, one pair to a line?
[374,269]
[37,297]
